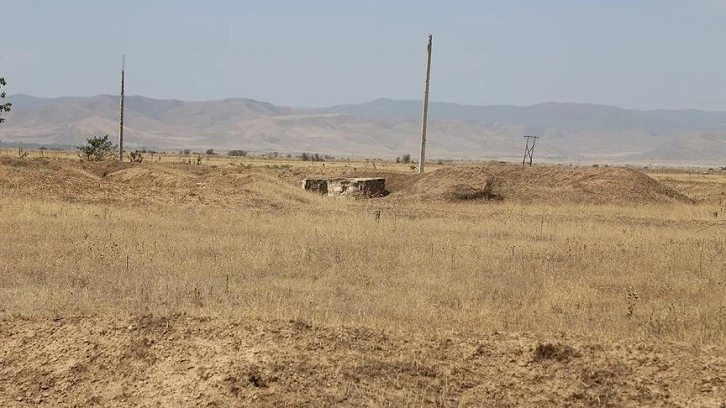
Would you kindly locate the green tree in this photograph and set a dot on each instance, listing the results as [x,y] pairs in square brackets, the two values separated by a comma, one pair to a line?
[4,107]
[96,148]
[239,153]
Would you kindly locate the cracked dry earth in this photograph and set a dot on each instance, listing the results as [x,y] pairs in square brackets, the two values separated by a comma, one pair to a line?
[205,362]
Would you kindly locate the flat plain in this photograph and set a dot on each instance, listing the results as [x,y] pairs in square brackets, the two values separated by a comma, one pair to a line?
[226,284]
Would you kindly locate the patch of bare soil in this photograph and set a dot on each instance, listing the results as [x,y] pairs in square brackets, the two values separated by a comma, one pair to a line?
[547,184]
[201,362]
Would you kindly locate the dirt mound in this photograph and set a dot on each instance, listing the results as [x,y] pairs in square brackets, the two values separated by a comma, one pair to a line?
[48,177]
[147,177]
[102,168]
[228,186]
[152,184]
[546,184]
[242,185]
[192,362]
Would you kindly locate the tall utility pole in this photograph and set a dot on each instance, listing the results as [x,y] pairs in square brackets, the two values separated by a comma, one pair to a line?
[121,122]
[529,150]
[422,158]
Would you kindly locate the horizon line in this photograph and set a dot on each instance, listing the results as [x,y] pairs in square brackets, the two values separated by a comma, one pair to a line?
[9,97]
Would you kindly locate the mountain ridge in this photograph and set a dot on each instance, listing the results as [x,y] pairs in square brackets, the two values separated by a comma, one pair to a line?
[382,127]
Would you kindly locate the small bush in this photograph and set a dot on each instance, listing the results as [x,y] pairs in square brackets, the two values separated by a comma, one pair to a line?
[97,148]
[136,156]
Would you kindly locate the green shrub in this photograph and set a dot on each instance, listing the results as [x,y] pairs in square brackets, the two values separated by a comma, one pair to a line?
[97,148]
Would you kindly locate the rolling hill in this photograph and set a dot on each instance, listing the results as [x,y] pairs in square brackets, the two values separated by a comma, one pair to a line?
[383,128]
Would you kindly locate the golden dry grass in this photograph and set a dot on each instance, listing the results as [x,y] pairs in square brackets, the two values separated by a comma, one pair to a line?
[617,271]
[707,186]
[264,160]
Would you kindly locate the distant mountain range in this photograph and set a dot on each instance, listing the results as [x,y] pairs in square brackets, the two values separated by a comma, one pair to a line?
[570,132]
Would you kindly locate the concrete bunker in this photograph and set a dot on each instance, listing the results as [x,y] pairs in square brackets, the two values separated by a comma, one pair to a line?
[359,187]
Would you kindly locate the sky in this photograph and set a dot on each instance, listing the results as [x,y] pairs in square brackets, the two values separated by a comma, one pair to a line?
[640,54]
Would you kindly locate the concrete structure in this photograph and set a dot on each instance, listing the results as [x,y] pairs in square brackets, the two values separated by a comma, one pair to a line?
[358,187]
[316,185]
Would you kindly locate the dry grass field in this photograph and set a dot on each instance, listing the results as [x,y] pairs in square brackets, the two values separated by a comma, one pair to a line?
[226,284]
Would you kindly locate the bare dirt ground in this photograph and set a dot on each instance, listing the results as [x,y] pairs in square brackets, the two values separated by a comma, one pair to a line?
[204,362]
[191,360]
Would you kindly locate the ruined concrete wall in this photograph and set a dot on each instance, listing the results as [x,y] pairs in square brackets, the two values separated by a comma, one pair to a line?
[338,186]
[364,187]
[316,185]
[374,188]
[361,187]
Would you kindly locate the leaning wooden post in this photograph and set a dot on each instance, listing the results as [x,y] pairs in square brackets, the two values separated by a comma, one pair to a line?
[422,158]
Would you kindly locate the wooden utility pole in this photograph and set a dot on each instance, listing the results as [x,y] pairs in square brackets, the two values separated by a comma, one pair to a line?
[422,158]
[121,122]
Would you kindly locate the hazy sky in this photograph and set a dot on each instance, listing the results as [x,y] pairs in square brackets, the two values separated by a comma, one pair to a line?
[641,54]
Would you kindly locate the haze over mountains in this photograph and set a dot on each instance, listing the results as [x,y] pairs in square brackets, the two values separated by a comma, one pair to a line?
[569,132]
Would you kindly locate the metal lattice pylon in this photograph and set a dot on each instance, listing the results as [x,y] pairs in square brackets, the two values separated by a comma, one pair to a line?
[529,150]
